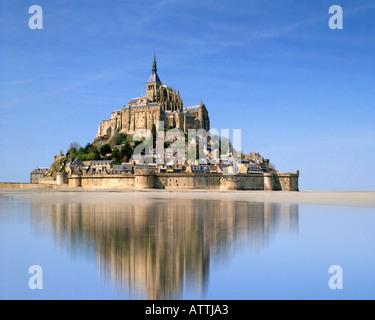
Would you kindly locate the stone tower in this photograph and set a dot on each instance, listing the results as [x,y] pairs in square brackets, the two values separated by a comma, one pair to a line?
[161,103]
[153,82]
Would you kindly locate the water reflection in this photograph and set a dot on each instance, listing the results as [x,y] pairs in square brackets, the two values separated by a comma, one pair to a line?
[155,248]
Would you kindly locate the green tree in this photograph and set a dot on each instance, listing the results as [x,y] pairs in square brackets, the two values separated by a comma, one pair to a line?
[72,152]
[153,132]
[127,151]
[116,155]
[91,156]
[121,138]
[89,148]
[96,154]
[75,145]
[104,149]
[81,151]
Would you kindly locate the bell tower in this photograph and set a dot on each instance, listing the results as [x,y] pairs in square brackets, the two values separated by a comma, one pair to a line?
[153,82]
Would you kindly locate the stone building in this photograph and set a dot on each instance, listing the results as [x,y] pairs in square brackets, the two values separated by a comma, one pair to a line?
[38,173]
[161,103]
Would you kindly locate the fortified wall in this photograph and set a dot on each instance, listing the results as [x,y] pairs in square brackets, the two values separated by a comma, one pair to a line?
[148,179]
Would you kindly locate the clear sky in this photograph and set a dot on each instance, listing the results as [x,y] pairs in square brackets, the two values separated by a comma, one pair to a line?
[302,94]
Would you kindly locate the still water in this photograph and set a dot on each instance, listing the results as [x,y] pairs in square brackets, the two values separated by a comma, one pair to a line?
[120,246]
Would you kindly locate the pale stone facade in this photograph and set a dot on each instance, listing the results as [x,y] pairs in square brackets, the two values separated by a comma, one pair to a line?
[161,103]
[37,174]
[148,179]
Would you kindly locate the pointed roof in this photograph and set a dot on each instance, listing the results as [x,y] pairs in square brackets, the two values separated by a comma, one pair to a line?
[154,69]
[154,75]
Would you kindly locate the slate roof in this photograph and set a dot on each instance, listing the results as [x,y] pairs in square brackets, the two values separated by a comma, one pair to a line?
[124,167]
[154,78]
[102,162]
[77,162]
[40,170]
[127,166]
[152,104]
[188,114]
[192,108]
[253,168]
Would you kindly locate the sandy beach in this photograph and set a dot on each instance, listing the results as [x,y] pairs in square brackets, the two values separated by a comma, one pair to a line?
[336,198]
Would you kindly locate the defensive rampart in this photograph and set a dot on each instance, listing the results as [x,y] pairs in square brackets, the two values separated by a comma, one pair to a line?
[148,179]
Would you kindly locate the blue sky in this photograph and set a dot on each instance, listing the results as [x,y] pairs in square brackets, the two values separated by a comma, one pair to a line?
[302,94]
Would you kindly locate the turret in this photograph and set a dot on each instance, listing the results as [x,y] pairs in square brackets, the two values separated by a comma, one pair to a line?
[200,113]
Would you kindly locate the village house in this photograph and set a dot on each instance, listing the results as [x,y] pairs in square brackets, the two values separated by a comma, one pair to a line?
[37,174]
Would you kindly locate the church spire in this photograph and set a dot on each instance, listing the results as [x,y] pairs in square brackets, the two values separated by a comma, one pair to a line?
[154,69]
[153,83]
[154,75]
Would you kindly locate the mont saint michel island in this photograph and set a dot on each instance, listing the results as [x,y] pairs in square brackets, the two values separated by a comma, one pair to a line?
[152,150]
[155,142]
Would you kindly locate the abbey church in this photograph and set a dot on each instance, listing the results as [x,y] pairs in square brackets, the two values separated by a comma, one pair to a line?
[161,103]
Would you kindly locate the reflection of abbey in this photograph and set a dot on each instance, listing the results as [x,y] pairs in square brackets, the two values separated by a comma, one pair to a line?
[158,249]
[161,103]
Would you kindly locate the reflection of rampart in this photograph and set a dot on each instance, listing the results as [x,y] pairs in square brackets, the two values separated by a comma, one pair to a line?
[157,247]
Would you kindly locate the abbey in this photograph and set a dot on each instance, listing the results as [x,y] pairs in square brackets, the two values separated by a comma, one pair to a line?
[109,164]
[161,103]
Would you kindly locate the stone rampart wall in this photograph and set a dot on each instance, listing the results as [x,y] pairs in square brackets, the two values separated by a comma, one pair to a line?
[147,179]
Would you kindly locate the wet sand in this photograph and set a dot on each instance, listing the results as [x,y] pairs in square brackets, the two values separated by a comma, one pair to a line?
[336,198]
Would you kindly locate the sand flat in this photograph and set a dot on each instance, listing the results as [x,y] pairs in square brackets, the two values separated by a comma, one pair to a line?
[336,198]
